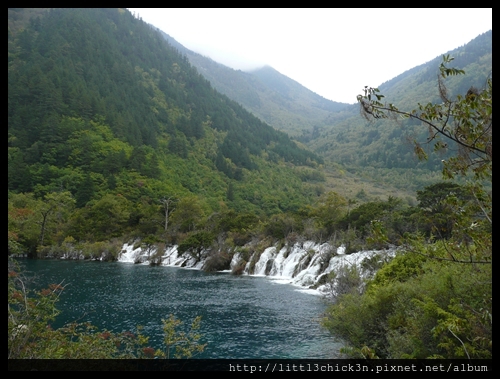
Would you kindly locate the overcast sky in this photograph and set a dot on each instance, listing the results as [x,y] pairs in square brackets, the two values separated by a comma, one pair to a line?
[333,52]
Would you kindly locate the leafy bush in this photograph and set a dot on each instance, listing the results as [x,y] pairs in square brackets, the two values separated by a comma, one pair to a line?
[196,243]
[418,307]
[346,279]
[434,301]
[30,335]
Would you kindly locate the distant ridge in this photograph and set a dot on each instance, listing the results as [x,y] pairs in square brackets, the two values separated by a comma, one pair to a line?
[273,97]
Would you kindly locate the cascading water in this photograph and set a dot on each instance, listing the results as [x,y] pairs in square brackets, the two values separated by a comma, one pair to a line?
[244,317]
[303,264]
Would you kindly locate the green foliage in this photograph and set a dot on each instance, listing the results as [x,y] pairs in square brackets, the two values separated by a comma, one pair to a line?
[179,344]
[105,218]
[328,212]
[400,269]
[465,121]
[382,149]
[35,223]
[196,243]
[435,299]
[357,320]
[188,214]
[27,317]
[440,204]
[415,313]
[369,218]
[22,223]
[344,280]
[377,235]
[271,96]
[102,250]
[30,335]
[280,226]
[115,111]
[111,120]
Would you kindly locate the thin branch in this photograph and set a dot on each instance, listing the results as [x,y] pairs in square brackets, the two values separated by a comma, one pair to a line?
[480,206]
[433,126]
[460,342]
[454,260]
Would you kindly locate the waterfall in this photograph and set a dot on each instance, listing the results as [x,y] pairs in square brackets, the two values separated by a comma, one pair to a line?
[303,264]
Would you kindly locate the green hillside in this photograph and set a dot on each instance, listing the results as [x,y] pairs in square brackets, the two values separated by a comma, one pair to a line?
[360,156]
[273,97]
[383,149]
[114,137]
[100,106]
[103,83]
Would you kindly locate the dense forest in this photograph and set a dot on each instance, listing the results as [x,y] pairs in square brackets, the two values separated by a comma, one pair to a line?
[387,144]
[115,137]
[101,107]
[378,152]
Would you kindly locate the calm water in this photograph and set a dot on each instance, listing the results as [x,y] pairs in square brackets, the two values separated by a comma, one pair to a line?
[243,317]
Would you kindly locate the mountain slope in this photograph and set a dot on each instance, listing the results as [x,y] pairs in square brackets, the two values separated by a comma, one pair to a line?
[381,152]
[273,97]
[99,103]
[383,149]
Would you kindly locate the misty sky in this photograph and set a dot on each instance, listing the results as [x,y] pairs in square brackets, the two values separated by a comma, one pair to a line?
[333,52]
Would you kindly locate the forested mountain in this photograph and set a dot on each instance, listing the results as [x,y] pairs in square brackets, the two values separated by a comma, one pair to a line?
[273,97]
[96,95]
[384,147]
[336,131]
[114,137]
[98,102]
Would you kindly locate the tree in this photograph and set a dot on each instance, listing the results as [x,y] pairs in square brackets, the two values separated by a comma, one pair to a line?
[437,213]
[196,244]
[187,214]
[167,203]
[465,121]
[57,204]
[330,210]
[346,279]
[434,300]
[23,230]
[178,344]
[104,218]
[86,190]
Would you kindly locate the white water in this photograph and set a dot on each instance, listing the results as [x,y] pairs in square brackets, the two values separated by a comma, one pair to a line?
[301,265]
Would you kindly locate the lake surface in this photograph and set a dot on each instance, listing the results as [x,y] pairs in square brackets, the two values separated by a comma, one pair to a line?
[243,317]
